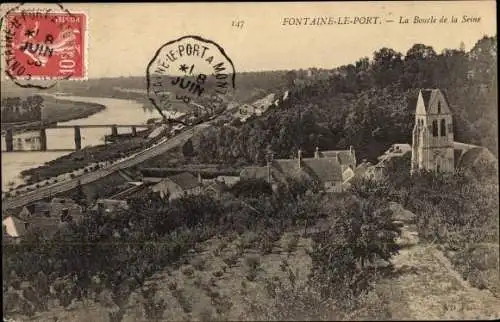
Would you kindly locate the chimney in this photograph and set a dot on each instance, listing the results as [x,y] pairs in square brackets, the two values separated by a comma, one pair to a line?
[268,172]
[353,154]
[101,207]
[300,158]
[316,154]
[64,214]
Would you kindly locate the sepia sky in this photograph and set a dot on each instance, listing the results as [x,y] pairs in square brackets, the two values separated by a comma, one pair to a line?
[124,37]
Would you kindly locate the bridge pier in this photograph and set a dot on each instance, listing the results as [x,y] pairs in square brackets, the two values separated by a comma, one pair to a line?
[134,131]
[78,138]
[9,140]
[114,130]
[43,140]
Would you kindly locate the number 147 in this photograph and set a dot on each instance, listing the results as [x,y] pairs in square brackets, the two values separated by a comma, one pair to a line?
[238,23]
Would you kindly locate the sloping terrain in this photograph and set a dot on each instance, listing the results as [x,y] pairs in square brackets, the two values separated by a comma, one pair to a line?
[228,278]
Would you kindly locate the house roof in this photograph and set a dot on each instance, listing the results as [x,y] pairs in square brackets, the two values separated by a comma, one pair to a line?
[17,224]
[39,209]
[396,150]
[325,170]
[344,156]
[257,173]
[48,226]
[361,169]
[111,204]
[185,180]
[322,169]
[216,186]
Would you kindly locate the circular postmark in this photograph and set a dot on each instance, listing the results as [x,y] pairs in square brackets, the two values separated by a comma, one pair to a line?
[42,45]
[190,75]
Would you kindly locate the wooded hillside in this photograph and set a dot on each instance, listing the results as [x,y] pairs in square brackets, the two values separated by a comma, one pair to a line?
[370,104]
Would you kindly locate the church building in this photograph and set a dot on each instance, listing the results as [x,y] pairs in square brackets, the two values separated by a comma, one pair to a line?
[432,146]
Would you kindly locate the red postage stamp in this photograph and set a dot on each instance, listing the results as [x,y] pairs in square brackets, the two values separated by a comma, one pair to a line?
[46,45]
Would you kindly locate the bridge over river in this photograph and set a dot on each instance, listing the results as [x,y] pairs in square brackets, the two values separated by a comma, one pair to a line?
[159,148]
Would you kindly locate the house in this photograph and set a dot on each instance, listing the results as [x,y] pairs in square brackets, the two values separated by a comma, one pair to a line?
[13,227]
[247,110]
[178,185]
[328,172]
[396,151]
[344,157]
[54,209]
[215,190]
[43,217]
[264,103]
[109,206]
[228,180]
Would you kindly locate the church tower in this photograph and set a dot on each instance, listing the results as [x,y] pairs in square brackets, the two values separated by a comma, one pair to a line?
[432,139]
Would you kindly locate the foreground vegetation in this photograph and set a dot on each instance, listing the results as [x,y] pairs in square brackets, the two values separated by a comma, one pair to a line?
[349,241]
[459,213]
[83,260]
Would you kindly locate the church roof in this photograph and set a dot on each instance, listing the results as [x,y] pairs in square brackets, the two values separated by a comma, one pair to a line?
[470,157]
[429,95]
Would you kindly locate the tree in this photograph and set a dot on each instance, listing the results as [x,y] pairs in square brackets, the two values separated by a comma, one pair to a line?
[188,149]
[79,195]
[387,65]
[251,188]
[345,256]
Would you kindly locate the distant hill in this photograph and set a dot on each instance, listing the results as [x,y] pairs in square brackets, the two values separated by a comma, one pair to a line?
[249,86]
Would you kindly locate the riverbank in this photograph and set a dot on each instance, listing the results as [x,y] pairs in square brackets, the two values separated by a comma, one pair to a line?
[79,159]
[60,110]
[56,110]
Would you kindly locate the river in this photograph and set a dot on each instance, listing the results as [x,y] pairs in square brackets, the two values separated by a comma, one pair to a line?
[117,111]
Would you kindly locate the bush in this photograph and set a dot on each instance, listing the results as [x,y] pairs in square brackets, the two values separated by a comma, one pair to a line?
[292,244]
[198,263]
[231,259]
[251,188]
[188,271]
[172,286]
[344,257]
[266,244]
[183,300]
[218,273]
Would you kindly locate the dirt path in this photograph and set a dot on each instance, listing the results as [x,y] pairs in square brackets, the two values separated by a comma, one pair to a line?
[429,288]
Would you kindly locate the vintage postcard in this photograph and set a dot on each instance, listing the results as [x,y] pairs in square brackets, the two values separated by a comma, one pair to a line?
[249,161]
